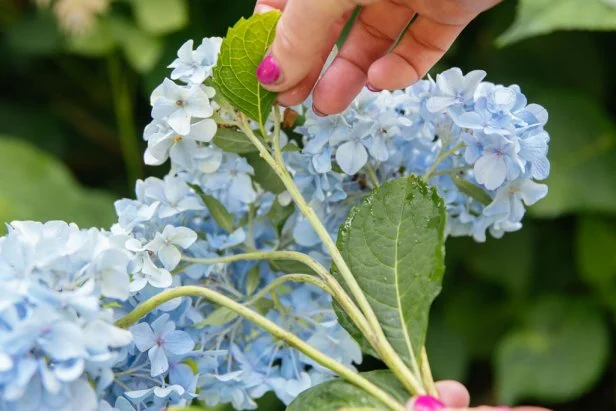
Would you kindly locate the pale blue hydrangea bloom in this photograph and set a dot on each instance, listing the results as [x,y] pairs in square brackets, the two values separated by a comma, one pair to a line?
[54,335]
[161,340]
[194,66]
[177,105]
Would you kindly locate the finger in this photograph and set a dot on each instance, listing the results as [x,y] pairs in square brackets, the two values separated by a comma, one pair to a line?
[453,394]
[263,6]
[421,47]
[377,27]
[301,35]
[300,92]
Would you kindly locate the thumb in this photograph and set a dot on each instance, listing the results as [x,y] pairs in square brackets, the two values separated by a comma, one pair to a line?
[302,34]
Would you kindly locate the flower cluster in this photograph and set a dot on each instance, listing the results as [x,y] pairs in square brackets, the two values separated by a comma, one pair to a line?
[57,344]
[480,144]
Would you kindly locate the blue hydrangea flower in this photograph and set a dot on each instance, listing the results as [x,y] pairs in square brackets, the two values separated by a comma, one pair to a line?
[178,105]
[160,339]
[196,66]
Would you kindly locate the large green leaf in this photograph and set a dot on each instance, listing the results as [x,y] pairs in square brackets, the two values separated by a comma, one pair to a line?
[393,243]
[545,16]
[35,186]
[341,395]
[557,356]
[583,156]
[160,16]
[241,52]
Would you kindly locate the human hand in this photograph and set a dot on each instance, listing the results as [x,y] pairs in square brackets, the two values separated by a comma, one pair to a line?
[308,30]
[455,397]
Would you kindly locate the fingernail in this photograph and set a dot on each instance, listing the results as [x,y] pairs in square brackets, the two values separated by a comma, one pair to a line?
[503,408]
[262,8]
[427,403]
[268,71]
[373,89]
[317,112]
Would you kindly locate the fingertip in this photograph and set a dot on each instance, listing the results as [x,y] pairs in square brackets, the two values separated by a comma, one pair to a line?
[340,84]
[453,394]
[392,72]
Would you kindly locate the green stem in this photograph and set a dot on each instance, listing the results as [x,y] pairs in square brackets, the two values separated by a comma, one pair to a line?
[376,336]
[123,107]
[426,373]
[333,285]
[450,171]
[278,332]
[294,278]
[442,156]
[371,173]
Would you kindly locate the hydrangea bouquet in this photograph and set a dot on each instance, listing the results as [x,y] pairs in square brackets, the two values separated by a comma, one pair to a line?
[279,247]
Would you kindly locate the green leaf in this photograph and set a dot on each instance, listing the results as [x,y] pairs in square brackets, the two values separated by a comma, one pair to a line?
[291,147]
[219,316]
[583,156]
[340,395]
[35,34]
[142,50]
[35,186]
[393,243]
[472,190]
[537,17]
[264,174]
[241,52]
[290,267]
[160,16]
[252,280]
[279,214]
[233,141]
[98,41]
[558,356]
[219,213]
[596,243]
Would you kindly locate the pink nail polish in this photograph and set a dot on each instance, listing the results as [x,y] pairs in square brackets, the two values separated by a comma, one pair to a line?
[268,71]
[427,403]
[317,112]
[373,89]
[503,408]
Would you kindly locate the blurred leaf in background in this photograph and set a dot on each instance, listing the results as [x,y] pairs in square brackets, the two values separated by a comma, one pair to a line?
[36,186]
[545,16]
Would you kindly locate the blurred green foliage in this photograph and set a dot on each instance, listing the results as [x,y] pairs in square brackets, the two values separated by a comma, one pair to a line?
[529,318]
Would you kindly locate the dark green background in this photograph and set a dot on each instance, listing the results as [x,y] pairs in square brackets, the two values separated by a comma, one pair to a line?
[529,318]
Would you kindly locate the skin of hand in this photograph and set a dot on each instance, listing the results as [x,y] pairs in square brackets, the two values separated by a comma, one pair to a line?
[453,396]
[308,30]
